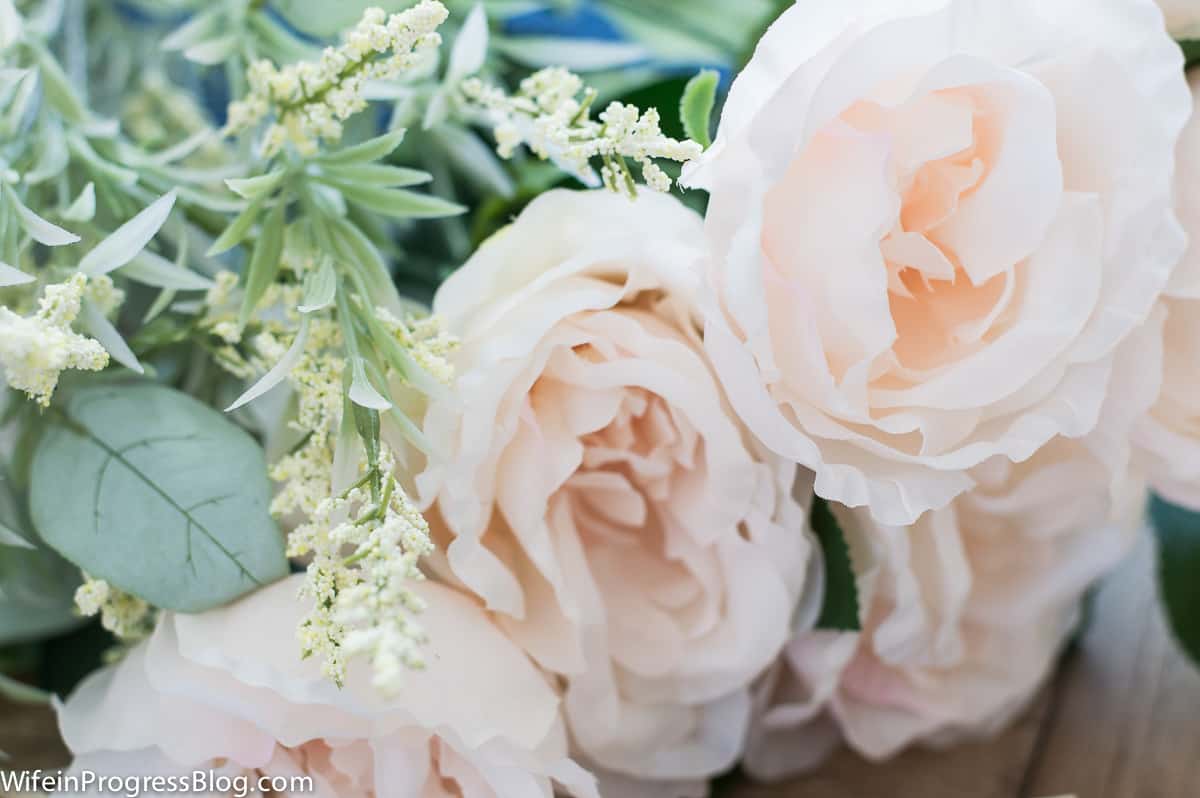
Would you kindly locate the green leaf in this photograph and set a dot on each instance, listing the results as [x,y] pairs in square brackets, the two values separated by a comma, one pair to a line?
[696,106]
[37,587]
[237,230]
[1191,51]
[1178,568]
[398,203]
[21,693]
[840,611]
[158,494]
[367,151]
[375,174]
[100,328]
[124,243]
[254,187]
[150,268]
[321,19]
[320,287]
[264,263]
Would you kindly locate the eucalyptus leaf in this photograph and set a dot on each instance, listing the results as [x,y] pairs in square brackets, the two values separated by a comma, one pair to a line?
[37,587]
[1178,532]
[696,106]
[129,239]
[158,494]
[264,263]
[840,609]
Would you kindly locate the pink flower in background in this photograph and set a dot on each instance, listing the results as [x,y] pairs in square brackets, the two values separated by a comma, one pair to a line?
[225,690]
[597,492]
[1182,17]
[931,233]
[1169,437]
[965,613]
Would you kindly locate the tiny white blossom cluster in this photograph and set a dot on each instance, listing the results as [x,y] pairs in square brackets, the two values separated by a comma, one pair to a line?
[128,617]
[310,100]
[360,579]
[35,350]
[548,115]
[363,546]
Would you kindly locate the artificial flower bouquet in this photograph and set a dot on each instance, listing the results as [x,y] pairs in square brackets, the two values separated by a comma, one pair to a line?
[415,401]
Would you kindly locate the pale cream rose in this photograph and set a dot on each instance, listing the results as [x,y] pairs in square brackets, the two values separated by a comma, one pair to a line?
[964,614]
[932,223]
[226,691]
[1183,17]
[599,495]
[1169,438]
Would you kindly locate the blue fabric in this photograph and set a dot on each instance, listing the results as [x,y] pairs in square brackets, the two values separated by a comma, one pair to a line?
[584,22]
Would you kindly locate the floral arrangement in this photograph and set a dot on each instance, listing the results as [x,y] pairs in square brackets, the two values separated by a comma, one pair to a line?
[422,401]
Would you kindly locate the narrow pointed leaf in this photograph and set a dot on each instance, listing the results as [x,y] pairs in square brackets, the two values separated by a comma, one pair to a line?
[150,268]
[320,288]
[194,30]
[255,187]
[129,239]
[279,371]
[398,203]
[237,230]
[840,611]
[10,276]
[470,47]
[264,263]
[369,150]
[696,106]
[1178,532]
[362,392]
[212,51]
[38,228]
[103,331]
[83,209]
[12,539]
[374,174]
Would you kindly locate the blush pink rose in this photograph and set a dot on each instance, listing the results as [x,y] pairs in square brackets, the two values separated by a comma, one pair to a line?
[933,222]
[226,691]
[1182,17]
[597,492]
[964,614]
[1169,437]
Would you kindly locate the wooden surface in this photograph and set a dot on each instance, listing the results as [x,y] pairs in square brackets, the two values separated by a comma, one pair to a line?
[1120,720]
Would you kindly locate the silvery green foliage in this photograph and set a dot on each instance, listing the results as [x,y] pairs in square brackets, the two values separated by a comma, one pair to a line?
[158,494]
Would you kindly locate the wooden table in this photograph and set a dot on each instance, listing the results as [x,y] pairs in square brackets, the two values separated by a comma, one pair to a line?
[1120,720]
